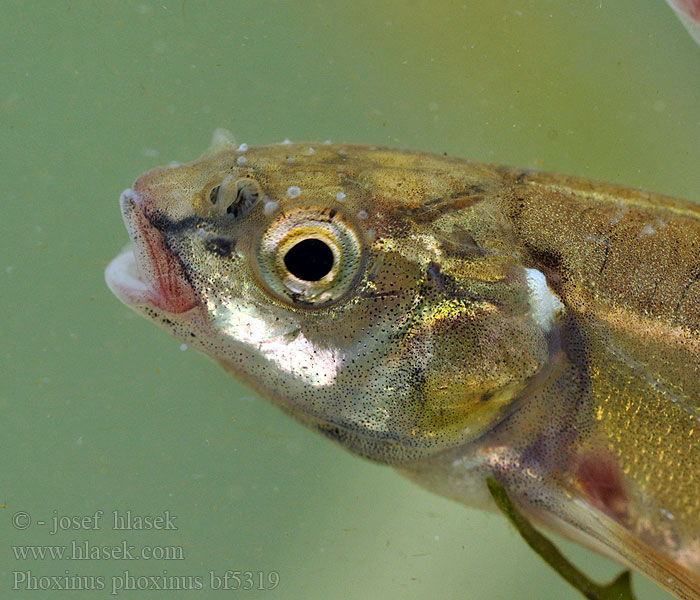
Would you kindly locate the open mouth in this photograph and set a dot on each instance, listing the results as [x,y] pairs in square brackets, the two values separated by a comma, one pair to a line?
[146,273]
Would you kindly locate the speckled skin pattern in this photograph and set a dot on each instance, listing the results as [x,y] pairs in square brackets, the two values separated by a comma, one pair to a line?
[422,347]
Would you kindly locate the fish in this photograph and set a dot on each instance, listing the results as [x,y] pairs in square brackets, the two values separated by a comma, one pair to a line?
[457,321]
[688,12]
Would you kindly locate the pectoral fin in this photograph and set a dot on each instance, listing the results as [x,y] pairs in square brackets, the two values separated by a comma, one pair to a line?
[633,552]
[585,524]
[688,12]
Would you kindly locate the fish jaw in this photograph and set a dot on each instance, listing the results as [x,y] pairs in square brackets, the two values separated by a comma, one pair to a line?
[146,274]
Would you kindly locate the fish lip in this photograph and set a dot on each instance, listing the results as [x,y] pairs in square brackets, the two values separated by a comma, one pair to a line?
[147,273]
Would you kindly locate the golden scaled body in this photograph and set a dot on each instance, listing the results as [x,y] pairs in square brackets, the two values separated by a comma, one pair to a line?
[456,320]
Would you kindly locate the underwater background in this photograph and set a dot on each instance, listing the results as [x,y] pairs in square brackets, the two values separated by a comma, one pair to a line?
[101,411]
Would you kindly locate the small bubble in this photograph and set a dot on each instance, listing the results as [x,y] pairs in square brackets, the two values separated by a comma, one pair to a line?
[150,152]
[293,191]
[241,160]
[340,196]
[183,347]
[242,148]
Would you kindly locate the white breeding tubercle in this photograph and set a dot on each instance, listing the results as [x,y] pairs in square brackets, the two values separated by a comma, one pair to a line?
[544,302]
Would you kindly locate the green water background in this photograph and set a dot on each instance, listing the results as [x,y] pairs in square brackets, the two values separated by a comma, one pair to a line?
[102,411]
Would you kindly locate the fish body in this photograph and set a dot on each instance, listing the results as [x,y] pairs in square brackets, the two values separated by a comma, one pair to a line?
[688,12]
[452,319]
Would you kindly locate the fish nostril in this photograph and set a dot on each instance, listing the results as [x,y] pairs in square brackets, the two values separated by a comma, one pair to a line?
[235,197]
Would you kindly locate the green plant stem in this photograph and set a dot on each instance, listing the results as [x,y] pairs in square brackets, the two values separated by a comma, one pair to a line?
[618,589]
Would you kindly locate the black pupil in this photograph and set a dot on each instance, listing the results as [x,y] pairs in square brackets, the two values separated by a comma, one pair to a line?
[309,260]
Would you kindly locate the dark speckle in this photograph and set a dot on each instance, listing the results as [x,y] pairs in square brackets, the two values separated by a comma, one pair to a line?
[221,246]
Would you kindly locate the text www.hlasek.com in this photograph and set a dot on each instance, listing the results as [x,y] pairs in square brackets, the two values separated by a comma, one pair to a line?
[128,582]
[86,551]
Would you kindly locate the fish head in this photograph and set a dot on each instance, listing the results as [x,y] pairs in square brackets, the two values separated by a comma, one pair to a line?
[371,294]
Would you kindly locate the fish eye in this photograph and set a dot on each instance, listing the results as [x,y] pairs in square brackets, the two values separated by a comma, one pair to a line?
[309,260]
[309,257]
[234,197]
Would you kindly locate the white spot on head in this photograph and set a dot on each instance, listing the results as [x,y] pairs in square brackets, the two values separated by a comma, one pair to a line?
[362,214]
[293,191]
[269,206]
[647,230]
[183,347]
[340,196]
[310,151]
[327,142]
[286,141]
[543,302]
[242,148]
[241,160]
[290,160]
[619,215]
